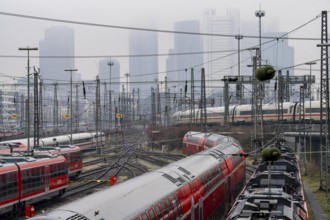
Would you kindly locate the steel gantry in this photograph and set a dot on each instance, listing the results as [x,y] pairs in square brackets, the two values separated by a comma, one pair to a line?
[256,107]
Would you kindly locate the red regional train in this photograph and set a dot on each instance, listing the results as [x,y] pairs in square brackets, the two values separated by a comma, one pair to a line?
[58,145]
[203,186]
[194,142]
[26,180]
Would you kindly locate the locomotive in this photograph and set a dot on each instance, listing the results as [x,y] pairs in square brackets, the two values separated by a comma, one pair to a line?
[242,114]
[202,186]
[26,180]
[274,191]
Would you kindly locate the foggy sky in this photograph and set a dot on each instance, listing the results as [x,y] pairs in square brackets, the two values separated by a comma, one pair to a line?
[281,16]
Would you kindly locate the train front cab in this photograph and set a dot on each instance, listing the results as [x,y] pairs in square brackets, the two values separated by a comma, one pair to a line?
[34,180]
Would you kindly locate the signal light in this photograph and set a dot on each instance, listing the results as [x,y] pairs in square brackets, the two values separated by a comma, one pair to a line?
[112,180]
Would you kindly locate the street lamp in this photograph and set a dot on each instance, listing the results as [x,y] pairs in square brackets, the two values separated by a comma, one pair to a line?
[28,91]
[71,70]
[260,14]
[310,107]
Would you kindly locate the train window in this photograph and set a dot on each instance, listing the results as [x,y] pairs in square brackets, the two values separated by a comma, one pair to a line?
[8,186]
[151,214]
[158,211]
[33,180]
[144,216]
[245,113]
[162,206]
[168,203]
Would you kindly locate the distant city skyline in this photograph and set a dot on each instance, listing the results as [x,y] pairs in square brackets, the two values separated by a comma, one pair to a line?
[95,43]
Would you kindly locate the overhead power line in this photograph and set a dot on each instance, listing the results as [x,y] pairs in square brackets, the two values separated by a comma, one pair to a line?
[140,29]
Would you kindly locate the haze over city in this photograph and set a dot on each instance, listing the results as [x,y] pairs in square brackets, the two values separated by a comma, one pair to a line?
[280,16]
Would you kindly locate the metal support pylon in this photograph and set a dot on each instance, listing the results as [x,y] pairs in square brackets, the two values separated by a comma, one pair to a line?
[257,117]
[324,104]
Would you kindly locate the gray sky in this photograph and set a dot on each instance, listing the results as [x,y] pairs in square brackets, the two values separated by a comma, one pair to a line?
[281,15]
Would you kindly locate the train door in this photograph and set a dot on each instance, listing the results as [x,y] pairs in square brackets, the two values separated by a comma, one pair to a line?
[233,114]
[295,109]
[47,177]
[200,210]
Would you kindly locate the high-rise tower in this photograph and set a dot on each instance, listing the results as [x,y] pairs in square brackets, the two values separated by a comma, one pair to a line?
[143,70]
[179,66]
[58,41]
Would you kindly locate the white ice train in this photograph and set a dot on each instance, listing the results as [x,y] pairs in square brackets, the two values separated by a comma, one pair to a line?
[242,114]
[85,140]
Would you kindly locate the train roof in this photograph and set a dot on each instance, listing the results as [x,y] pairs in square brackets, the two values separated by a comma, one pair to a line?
[140,192]
[145,189]
[265,202]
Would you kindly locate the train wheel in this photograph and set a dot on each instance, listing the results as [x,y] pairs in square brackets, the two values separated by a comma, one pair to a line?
[62,191]
[18,209]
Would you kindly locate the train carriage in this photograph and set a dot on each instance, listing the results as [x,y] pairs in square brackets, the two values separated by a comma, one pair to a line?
[242,114]
[72,154]
[203,185]
[276,196]
[194,142]
[26,180]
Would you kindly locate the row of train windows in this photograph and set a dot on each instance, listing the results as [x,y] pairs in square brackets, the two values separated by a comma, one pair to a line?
[8,186]
[33,179]
[210,178]
[59,169]
[169,208]
[75,156]
[271,111]
[82,141]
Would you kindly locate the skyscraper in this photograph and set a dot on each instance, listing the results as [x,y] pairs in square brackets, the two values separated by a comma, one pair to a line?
[58,41]
[179,67]
[221,63]
[143,70]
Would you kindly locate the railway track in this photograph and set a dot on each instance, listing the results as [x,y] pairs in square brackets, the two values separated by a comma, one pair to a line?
[125,164]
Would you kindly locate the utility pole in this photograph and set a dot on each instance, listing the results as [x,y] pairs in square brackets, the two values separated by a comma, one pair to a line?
[203,102]
[55,112]
[36,110]
[238,86]
[110,64]
[22,124]
[192,97]
[98,117]
[153,116]
[324,105]
[71,118]
[41,109]
[259,14]
[133,109]
[28,91]
[310,107]
[138,104]
[76,116]
[158,105]
[167,104]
